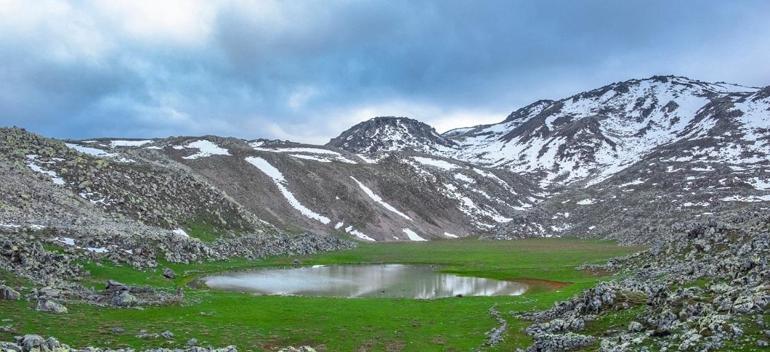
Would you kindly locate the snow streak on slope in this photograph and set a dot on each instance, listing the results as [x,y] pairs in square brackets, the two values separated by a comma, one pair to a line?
[306,153]
[358,234]
[280,181]
[379,200]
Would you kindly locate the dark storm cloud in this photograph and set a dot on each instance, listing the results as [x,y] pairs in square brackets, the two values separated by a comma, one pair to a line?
[306,70]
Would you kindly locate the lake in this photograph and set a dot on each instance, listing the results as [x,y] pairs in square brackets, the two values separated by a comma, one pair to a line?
[383,280]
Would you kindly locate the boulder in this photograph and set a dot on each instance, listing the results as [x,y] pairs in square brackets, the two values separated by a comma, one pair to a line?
[124,299]
[9,293]
[32,342]
[47,305]
[168,273]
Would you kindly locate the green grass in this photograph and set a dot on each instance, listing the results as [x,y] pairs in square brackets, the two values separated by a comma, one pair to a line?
[332,324]
[202,230]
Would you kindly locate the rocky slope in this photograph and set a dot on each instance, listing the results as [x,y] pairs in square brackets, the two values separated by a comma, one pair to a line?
[702,287]
[230,186]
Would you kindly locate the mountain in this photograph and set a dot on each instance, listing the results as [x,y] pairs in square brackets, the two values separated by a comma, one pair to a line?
[592,135]
[647,151]
[391,134]
[623,161]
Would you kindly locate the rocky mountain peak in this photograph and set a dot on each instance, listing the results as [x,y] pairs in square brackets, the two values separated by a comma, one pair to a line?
[388,134]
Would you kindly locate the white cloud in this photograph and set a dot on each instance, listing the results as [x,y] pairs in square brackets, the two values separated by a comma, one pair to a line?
[300,96]
[187,22]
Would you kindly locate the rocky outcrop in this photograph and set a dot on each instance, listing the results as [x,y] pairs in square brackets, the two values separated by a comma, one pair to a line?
[696,289]
[36,343]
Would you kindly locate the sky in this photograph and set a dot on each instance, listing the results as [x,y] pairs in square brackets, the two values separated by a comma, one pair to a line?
[306,70]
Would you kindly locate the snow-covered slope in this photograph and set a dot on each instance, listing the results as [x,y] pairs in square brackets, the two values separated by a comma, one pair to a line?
[593,135]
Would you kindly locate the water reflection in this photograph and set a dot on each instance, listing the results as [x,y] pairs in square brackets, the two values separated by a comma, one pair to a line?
[387,280]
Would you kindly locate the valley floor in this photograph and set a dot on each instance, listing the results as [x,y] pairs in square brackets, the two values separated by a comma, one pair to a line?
[332,324]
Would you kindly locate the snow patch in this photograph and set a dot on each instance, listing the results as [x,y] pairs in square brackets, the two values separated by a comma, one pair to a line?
[587,201]
[413,236]
[441,164]
[180,232]
[205,148]
[760,184]
[464,178]
[747,199]
[358,234]
[65,240]
[129,143]
[310,157]
[31,163]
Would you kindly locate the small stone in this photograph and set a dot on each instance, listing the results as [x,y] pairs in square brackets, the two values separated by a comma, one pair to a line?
[192,342]
[168,273]
[168,335]
[635,326]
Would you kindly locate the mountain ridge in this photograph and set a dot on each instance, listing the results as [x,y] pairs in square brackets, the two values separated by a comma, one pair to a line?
[656,149]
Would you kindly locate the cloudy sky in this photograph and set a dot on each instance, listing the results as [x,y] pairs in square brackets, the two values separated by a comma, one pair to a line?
[306,70]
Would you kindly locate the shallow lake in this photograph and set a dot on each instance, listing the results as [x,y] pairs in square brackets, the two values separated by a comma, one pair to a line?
[385,280]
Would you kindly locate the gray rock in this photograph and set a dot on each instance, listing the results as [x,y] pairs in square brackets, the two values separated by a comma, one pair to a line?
[168,335]
[31,342]
[10,347]
[46,305]
[168,273]
[114,286]
[9,293]
[297,349]
[635,326]
[124,299]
